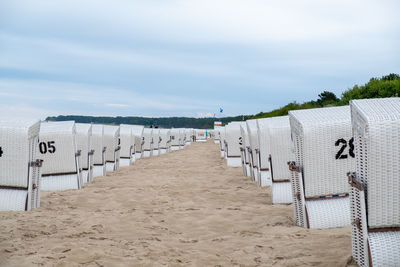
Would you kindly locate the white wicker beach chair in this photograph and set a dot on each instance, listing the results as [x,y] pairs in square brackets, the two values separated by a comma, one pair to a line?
[217,136]
[127,152]
[188,136]
[165,140]
[156,142]
[99,157]
[112,142]
[20,171]
[244,142]
[175,142]
[61,158]
[182,138]
[232,144]
[201,135]
[280,153]
[221,131]
[254,148]
[323,147]
[375,185]
[263,153]
[84,144]
[137,131]
[148,142]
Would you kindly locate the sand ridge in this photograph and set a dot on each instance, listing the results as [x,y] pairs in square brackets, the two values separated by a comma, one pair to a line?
[185,208]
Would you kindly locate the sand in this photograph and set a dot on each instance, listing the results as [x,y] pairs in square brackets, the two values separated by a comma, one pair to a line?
[185,208]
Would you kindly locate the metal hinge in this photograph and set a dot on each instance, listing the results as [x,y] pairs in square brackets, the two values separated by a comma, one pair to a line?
[36,163]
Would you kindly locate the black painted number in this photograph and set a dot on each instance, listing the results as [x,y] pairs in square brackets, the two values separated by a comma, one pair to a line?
[240,141]
[1,152]
[343,145]
[47,147]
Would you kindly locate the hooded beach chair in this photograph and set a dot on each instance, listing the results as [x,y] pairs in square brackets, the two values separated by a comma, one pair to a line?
[324,153]
[61,158]
[280,152]
[188,136]
[147,142]
[20,165]
[216,134]
[244,153]
[182,138]
[84,143]
[254,148]
[263,153]
[175,142]
[99,156]
[156,142]
[221,131]
[112,142]
[375,185]
[165,139]
[232,144]
[127,152]
[201,135]
[137,131]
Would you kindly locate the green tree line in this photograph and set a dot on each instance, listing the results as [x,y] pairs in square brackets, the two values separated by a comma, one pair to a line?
[386,86]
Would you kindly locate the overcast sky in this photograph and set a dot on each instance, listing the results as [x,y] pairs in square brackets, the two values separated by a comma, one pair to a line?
[188,57]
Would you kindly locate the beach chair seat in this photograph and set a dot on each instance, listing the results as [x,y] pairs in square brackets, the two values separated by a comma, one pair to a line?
[84,144]
[61,158]
[127,151]
[375,185]
[182,138]
[322,140]
[20,165]
[98,145]
[112,142]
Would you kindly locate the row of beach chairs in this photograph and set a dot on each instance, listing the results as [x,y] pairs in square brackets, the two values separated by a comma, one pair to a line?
[52,156]
[338,166]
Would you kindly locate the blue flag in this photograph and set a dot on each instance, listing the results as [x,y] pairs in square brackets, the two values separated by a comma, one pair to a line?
[221,110]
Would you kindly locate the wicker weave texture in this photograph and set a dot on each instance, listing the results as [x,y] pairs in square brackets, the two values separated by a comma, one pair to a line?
[281,193]
[156,139]
[127,141]
[111,141]
[328,213]
[327,155]
[18,147]
[263,141]
[165,135]
[60,182]
[12,199]
[58,147]
[385,248]
[98,143]
[376,126]
[280,147]
[83,142]
[232,138]
[253,139]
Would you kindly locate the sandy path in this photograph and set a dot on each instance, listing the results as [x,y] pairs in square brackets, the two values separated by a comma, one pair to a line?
[183,208]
